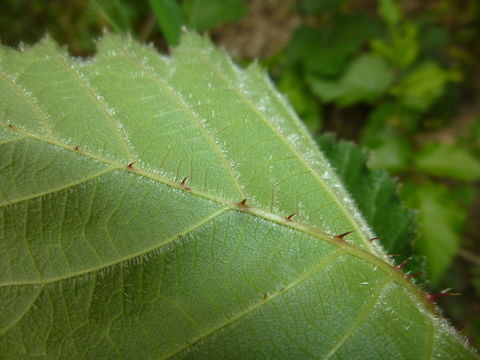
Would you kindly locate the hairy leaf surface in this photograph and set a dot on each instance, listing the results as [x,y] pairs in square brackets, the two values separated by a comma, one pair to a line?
[124,234]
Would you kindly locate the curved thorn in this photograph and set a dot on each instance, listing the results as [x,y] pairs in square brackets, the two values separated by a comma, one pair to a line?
[402,264]
[445,292]
[243,203]
[289,217]
[341,236]
[184,180]
[409,276]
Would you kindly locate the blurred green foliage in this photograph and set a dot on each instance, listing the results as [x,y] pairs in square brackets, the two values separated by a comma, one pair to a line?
[169,18]
[403,81]
[202,15]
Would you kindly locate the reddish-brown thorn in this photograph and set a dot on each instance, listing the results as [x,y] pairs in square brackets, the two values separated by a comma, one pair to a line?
[243,203]
[289,217]
[184,180]
[409,276]
[11,126]
[130,166]
[76,148]
[374,238]
[402,264]
[341,236]
[446,292]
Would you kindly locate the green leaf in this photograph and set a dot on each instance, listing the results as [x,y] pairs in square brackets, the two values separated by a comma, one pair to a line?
[423,86]
[326,52]
[202,15]
[318,6]
[402,49]
[450,161]
[389,11]
[365,80]
[169,19]
[109,251]
[375,194]
[441,222]
[112,12]
[383,135]
[299,96]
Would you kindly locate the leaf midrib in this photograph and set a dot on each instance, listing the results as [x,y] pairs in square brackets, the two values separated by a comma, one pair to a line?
[229,205]
[347,247]
[186,108]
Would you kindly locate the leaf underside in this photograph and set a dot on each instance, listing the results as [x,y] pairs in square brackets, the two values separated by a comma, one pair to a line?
[106,253]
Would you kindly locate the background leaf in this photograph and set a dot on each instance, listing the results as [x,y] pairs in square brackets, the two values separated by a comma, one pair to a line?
[450,161]
[365,79]
[422,86]
[389,11]
[441,221]
[202,15]
[169,18]
[326,52]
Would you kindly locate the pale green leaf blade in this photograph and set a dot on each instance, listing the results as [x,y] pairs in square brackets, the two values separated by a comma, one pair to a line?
[105,252]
